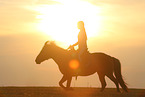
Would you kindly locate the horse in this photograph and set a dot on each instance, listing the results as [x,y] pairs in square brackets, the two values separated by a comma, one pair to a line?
[101,63]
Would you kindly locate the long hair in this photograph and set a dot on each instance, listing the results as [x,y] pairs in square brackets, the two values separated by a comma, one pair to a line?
[81,25]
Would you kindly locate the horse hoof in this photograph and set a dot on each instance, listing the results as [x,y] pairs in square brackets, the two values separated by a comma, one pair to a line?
[118,91]
[69,89]
[101,90]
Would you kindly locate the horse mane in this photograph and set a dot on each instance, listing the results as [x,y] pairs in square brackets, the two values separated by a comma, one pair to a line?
[54,44]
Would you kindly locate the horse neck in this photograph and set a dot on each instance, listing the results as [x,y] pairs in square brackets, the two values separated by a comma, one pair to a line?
[59,55]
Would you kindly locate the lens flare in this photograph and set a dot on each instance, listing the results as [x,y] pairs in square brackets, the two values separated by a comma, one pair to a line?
[74,64]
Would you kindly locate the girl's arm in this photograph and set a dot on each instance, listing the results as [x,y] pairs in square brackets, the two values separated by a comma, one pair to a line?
[75,44]
[71,46]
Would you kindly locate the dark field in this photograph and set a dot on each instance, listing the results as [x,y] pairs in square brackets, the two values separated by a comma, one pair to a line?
[58,92]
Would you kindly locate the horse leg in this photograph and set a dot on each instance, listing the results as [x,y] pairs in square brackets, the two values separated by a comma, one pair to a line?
[114,80]
[63,79]
[103,82]
[68,83]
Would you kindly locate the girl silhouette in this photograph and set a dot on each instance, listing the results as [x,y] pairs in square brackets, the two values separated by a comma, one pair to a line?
[82,40]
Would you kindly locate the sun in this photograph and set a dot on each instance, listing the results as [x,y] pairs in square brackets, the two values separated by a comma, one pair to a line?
[60,21]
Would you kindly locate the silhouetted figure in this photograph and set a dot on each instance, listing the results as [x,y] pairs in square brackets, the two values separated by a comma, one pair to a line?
[101,63]
[82,40]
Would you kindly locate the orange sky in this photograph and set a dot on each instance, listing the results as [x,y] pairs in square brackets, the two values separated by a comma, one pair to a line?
[113,27]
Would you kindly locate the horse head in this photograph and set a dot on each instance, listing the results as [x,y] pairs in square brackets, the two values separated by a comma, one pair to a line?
[45,53]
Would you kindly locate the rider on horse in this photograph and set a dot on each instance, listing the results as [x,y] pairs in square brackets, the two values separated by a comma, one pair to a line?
[82,40]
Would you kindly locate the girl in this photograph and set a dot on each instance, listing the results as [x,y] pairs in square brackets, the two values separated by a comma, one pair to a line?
[82,40]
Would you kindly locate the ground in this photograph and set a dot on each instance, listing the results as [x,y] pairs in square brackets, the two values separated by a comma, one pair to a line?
[59,92]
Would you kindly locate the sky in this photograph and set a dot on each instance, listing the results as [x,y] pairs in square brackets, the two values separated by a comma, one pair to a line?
[113,27]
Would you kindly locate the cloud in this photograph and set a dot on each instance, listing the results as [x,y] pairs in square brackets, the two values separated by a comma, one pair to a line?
[17,2]
[116,2]
[48,2]
[15,18]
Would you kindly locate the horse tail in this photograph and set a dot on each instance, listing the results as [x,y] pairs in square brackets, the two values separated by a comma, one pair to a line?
[76,77]
[117,72]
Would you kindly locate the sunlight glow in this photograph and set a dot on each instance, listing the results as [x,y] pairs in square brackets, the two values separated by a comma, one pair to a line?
[74,64]
[60,21]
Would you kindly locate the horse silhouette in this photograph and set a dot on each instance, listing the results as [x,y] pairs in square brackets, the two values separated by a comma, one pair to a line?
[101,63]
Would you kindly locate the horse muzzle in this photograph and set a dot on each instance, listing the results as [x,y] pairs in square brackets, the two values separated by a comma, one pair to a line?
[37,62]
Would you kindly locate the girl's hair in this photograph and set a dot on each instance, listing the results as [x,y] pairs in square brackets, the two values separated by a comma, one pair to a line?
[81,24]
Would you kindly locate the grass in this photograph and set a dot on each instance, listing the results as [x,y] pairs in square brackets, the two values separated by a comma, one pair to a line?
[59,92]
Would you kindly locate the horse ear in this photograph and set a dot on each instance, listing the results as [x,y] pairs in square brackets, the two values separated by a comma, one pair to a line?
[50,42]
[47,42]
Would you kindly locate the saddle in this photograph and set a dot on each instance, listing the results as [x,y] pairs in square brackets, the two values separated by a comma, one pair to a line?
[85,55]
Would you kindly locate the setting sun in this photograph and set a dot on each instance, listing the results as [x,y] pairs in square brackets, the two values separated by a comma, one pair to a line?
[60,21]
